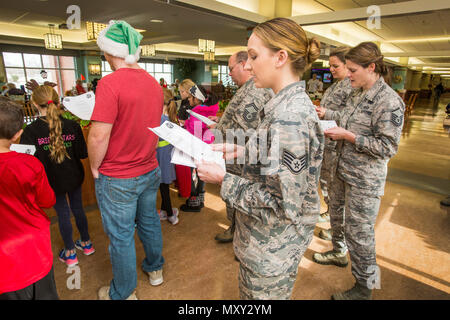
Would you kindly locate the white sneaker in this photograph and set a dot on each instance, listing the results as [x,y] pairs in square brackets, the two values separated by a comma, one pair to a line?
[103,294]
[156,277]
[174,218]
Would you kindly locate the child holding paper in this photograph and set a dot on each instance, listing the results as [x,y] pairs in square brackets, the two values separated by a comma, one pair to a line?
[59,146]
[205,104]
[164,155]
[26,258]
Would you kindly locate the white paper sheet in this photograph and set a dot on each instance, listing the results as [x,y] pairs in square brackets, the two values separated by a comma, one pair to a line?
[327,124]
[203,119]
[23,148]
[190,145]
[181,158]
[82,106]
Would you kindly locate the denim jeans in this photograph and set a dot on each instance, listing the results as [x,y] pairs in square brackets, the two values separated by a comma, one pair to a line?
[65,225]
[121,203]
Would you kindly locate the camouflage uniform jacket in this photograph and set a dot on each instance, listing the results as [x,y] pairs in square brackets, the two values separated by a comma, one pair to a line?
[277,202]
[243,113]
[335,98]
[376,118]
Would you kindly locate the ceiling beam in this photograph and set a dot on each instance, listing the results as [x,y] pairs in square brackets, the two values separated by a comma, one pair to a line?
[386,10]
[438,53]
[221,9]
[430,65]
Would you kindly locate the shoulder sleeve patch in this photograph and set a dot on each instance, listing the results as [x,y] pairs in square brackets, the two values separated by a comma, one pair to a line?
[293,163]
[250,112]
[397,117]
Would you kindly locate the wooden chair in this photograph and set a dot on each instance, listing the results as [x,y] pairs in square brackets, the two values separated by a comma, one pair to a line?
[411,103]
[29,112]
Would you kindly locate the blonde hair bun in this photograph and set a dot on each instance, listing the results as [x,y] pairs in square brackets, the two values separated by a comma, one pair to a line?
[286,34]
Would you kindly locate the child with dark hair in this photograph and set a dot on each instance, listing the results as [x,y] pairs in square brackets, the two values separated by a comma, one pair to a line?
[26,258]
[59,146]
[206,104]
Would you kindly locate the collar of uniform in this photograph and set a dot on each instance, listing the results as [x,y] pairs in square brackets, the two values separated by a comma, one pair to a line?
[248,82]
[372,92]
[275,101]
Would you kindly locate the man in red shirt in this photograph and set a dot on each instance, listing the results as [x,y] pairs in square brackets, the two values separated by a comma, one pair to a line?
[122,153]
[26,258]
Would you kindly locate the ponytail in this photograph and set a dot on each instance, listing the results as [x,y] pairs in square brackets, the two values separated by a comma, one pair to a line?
[172,111]
[47,98]
[58,150]
[171,105]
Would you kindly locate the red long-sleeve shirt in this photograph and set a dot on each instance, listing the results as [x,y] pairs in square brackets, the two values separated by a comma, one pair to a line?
[25,248]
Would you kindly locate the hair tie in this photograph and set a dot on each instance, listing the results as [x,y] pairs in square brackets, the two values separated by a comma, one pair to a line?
[50,101]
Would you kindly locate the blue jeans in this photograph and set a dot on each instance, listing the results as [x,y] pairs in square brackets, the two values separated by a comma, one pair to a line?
[121,203]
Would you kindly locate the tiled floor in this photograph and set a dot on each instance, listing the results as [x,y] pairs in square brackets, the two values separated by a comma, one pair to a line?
[412,234]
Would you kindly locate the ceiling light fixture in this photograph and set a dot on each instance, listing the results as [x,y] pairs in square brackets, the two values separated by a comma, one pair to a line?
[52,40]
[93,29]
[95,69]
[206,45]
[208,56]
[157,21]
[148,50]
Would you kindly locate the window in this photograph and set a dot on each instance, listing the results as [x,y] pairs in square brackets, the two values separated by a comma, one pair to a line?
[106,69]
[22,67]
[224,76]
[157,70]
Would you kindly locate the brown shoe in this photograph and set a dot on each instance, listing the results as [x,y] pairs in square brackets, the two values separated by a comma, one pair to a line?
[331,257]
[226,236]
[358,292]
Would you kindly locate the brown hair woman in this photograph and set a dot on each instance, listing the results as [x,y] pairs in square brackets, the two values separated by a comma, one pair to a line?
[60,146]
[368,135]
[276,201]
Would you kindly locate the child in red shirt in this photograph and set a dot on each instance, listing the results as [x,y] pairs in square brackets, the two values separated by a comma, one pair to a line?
[26,258]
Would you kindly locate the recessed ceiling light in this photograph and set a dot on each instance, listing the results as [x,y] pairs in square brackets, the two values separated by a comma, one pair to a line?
[156,21]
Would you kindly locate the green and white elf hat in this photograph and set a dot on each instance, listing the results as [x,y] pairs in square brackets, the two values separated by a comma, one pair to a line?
[121,40]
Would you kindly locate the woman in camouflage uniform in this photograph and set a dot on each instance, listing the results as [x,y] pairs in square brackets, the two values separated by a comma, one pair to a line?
[276,198]
[369,131]
[334,98]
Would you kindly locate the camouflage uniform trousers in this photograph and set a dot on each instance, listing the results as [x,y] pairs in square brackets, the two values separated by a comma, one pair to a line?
[263,281]
[256,287]
[336,212]
[358,230]
[325,174]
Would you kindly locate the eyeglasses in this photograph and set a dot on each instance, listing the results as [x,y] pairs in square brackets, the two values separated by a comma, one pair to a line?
[231,68]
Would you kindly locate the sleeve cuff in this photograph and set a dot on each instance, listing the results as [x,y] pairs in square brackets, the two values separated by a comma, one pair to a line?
[328,115]
[359,143]
[225,191]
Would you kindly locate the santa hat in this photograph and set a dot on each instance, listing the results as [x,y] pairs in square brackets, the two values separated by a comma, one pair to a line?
[121,40]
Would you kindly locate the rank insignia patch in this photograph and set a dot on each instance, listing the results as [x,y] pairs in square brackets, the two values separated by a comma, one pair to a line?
[397,117]
[293,163]
[250,112]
